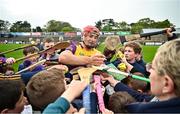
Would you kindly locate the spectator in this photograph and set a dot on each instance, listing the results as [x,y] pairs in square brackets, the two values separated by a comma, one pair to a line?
[62,104]
[118,101]
[5,61]
[45,87]
[131,52]
[50,55]
[29,61]
[138,85]
[38,44]
[164,80]
[12,99]
[26,75]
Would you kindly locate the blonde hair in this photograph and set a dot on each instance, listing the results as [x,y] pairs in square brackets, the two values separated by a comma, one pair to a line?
[167,62]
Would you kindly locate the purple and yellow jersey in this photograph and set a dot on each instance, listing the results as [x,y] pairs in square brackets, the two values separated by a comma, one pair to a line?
[78,50]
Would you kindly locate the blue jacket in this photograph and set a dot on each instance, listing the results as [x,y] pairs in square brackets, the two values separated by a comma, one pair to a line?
[140,97]
[60,106]
[27,63]
[26,75]
[172,105]
[168,106]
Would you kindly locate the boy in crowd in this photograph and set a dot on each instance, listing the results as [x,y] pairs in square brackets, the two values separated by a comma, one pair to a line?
[30,61]
[46,86]
[50,55]
[131,51]
[118,101]
[12,99]
[26,75]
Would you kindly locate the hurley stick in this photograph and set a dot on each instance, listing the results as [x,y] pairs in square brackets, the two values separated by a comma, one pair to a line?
[85,74]
[32,66]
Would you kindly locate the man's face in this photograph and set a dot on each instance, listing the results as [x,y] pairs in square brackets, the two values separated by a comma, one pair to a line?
[129,54]
[91,40]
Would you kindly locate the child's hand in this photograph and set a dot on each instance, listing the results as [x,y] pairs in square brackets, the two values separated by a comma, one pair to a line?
[10,60]
[107,112]
[111,80]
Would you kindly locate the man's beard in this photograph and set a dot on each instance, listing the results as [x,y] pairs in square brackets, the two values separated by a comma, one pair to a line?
[90,46]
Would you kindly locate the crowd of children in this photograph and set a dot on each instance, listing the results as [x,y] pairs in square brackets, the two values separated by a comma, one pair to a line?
[42,89]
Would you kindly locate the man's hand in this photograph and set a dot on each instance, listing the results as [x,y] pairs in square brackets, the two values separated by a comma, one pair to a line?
[97,59]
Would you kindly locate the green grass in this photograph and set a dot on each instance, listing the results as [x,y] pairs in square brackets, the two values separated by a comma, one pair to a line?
[15,54]
[148,52]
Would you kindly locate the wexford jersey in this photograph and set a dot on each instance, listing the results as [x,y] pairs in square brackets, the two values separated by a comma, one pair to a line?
[80,51]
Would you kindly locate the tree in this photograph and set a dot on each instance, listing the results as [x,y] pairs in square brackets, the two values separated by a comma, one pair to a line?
[148,23]
[108,25]
[67,29]
[123,26]
[98,24]
[107,28]
[54,26]
[4,25]
[57,26]
[163,24]
[20,26]
[37,29]
[66,24]
[136,28]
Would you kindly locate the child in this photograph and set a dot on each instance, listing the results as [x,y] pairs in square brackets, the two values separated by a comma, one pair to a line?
[12,99]
[29,61]
[45,87]
[26,75]
[4,61]
[50,55]
[118,101]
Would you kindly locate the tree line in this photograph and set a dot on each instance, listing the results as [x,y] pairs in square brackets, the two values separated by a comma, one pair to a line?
[107,25]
